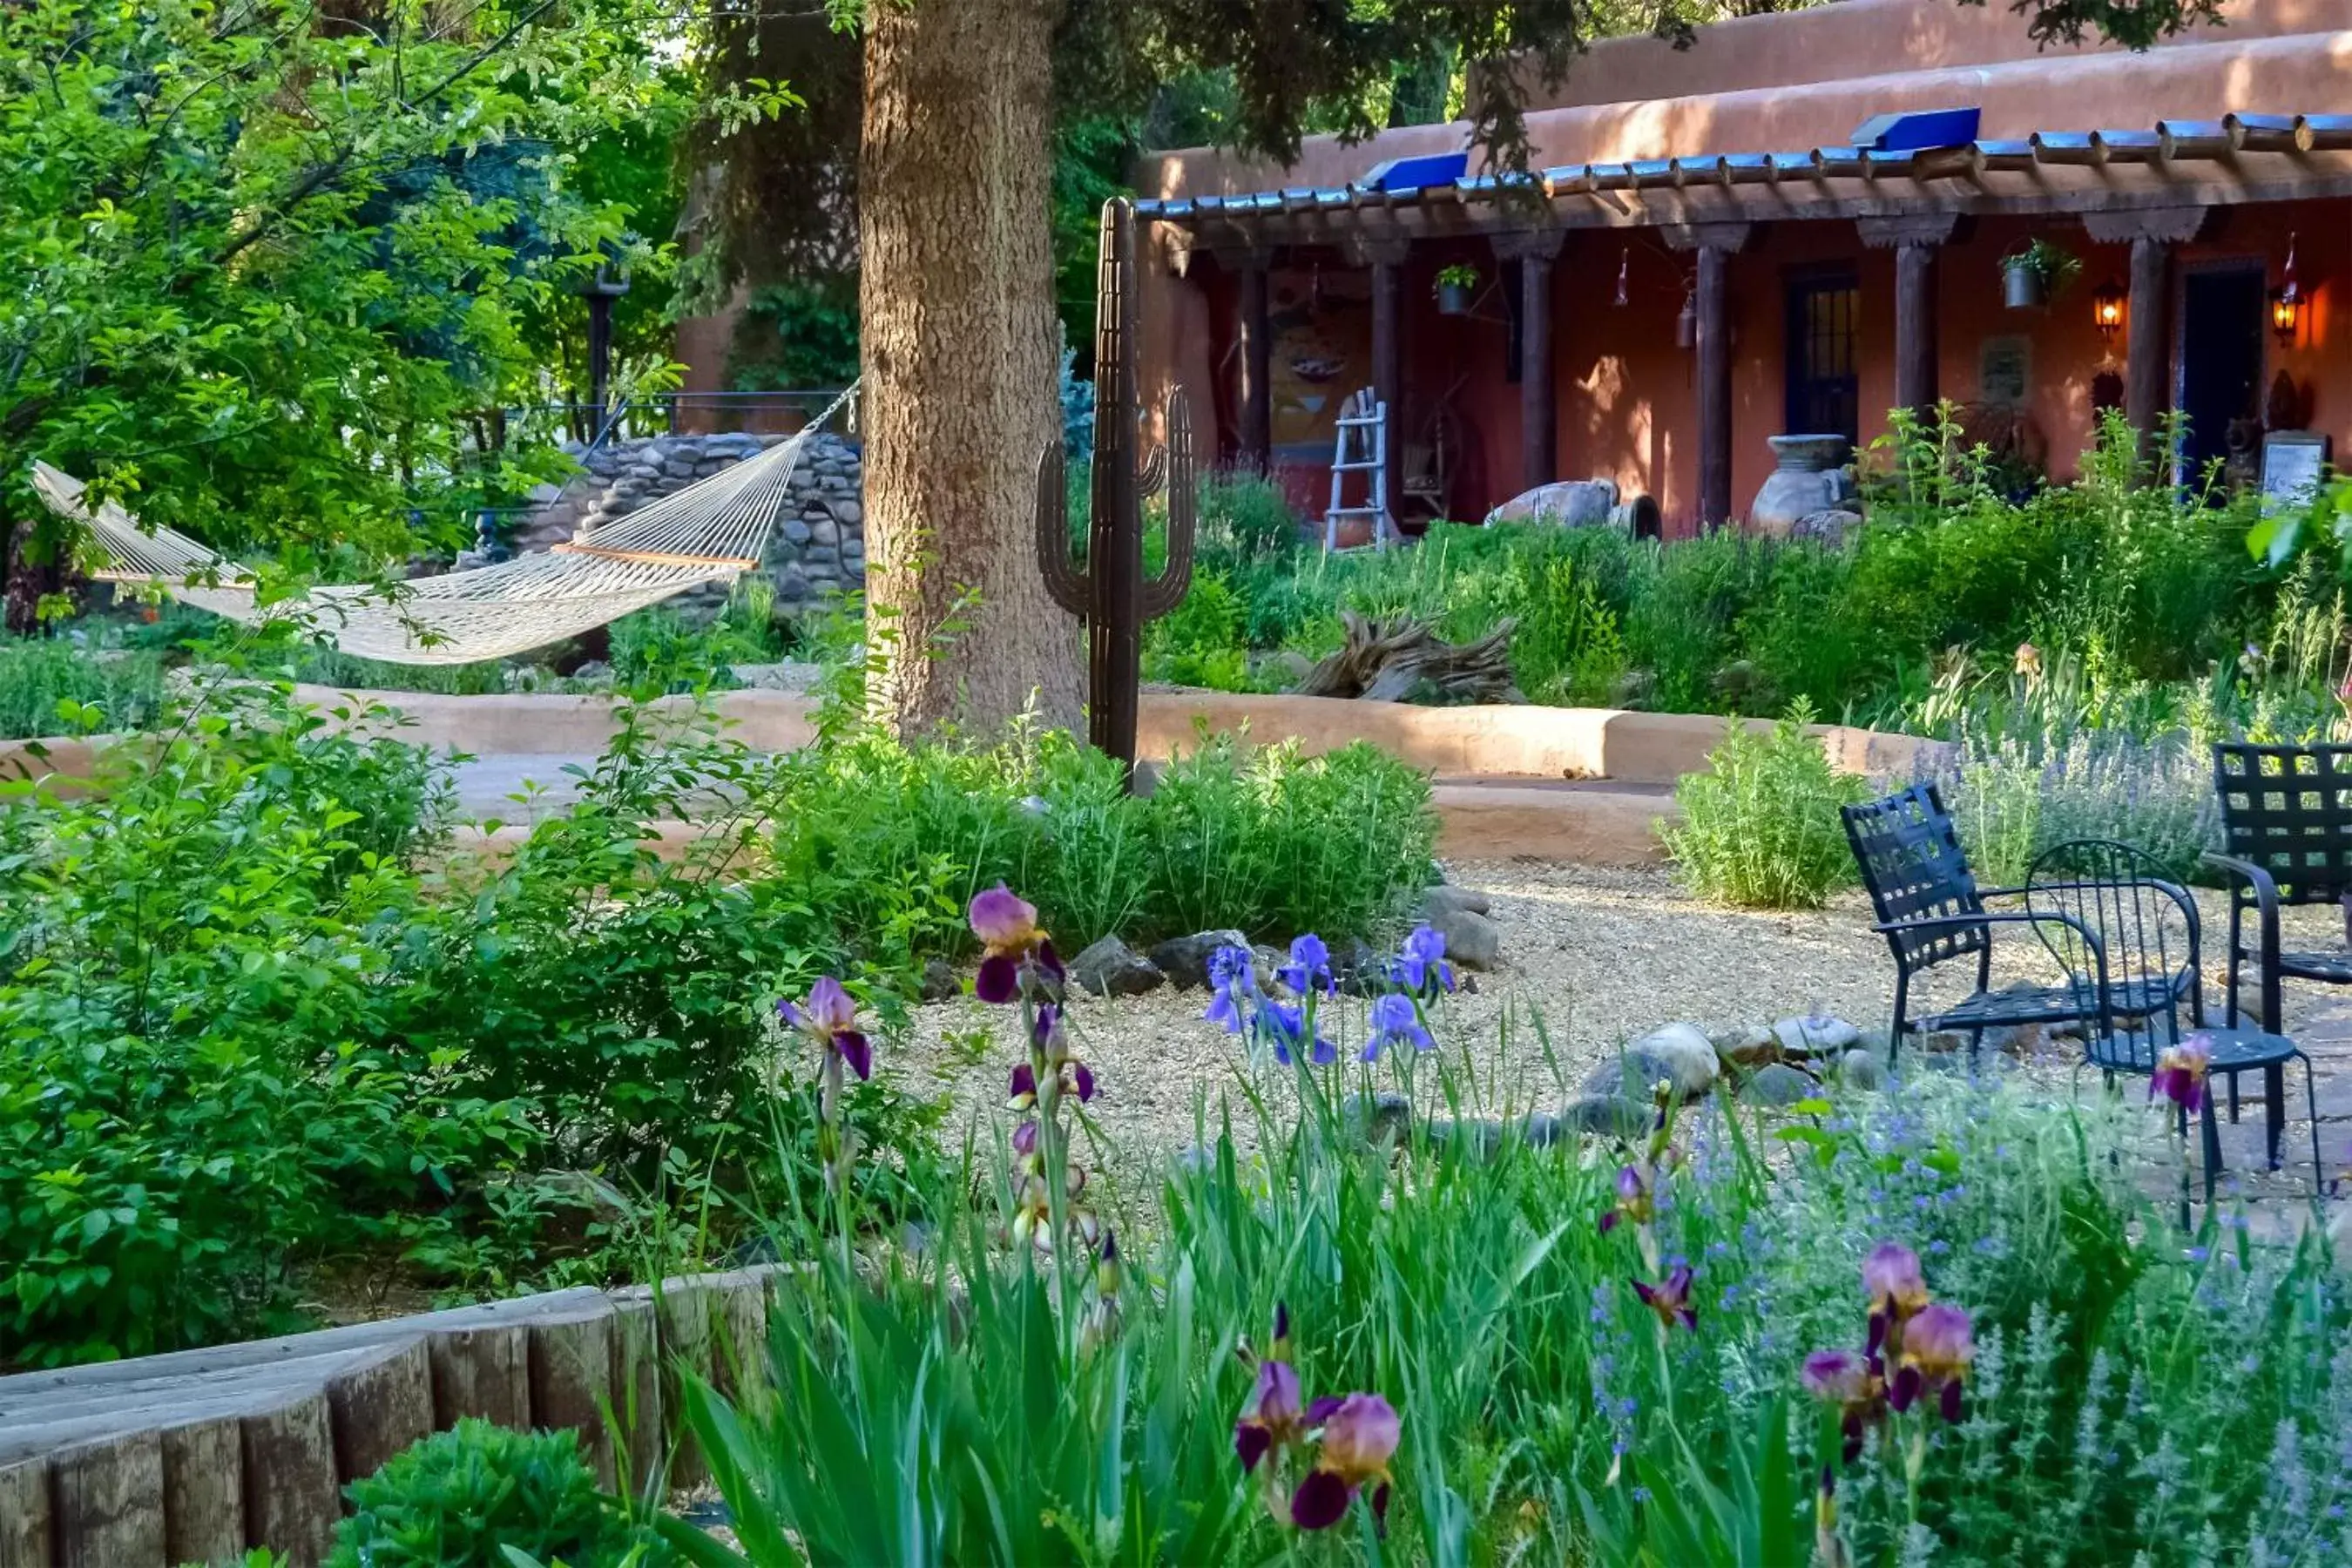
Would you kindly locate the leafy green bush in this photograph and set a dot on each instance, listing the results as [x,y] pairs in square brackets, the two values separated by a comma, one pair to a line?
[1200,643]
[1275,843]
[893,841]
[459,1499]
[1760,829]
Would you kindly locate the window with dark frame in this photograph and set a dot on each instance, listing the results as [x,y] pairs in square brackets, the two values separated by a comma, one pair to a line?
[1824,357]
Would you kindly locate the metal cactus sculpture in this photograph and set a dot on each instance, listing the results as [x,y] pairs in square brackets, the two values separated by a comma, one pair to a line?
[1110,592]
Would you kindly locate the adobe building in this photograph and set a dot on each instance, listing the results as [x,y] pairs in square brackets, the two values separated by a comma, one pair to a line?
[1791,227]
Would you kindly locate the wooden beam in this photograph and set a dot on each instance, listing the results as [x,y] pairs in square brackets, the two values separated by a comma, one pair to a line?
[1914,326]
[2150,354]
[2127,226]
[1387,365]
[1894,231]
[1257,334]
[1713,387]
[1535,250]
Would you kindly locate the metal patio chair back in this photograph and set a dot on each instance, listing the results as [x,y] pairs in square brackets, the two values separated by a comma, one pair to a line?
[1931,911]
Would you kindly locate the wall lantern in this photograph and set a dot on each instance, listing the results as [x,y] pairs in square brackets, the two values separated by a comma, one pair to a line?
[1687,321]
[2108,310]
[2286,301]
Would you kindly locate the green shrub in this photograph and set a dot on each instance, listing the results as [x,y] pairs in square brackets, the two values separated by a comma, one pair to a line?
[1200,643]
[459,1499]
[1760,829]
[1275,843]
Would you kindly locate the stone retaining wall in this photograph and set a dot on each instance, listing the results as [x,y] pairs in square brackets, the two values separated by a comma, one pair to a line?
[818,546]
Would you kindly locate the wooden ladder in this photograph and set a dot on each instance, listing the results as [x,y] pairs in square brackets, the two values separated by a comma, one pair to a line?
[1360,445]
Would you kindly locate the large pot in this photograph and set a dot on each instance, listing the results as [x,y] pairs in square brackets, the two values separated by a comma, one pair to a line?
[1453,298]
[1810,477]
[2022,285]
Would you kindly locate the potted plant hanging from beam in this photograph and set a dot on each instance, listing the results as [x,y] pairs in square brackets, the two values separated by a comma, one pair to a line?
[1455,284]
[2032,275]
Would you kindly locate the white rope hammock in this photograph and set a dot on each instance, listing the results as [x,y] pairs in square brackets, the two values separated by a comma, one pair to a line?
[710,532]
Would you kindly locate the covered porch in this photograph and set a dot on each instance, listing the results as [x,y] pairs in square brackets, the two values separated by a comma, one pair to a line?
[1652,321]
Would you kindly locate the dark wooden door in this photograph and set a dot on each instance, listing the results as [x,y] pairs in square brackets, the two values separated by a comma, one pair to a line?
[2221,313]
[1825,361]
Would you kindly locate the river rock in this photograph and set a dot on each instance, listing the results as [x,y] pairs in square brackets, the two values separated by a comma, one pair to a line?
[1569,503]
[1819,1035]
[939,980]
[1446,898]
[1184,959]
[1111,968]
[1687,1054]
[1604,1116]
[1472,940]
[1862,1069]
[1777,1084]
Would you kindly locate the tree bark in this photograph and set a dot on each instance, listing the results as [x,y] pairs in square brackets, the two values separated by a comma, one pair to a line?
[958,348]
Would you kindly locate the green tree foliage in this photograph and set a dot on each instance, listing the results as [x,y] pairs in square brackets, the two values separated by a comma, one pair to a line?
[267,264]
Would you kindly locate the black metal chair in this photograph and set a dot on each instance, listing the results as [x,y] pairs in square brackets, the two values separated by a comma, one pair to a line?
[2286,828]
[2150,944]
[1931,911]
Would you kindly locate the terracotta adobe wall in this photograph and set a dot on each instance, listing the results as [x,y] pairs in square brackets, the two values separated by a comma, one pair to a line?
[2273,58]
[1861,38]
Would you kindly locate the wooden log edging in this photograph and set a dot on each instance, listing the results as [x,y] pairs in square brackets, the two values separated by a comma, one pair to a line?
[195,1455]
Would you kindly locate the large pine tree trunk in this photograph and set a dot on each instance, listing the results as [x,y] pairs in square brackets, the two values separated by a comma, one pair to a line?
[956,296]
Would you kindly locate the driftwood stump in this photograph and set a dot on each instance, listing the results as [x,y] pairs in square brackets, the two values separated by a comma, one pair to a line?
[1391,660]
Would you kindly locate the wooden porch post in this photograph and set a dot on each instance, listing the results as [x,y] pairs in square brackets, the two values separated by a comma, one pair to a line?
[1386,258]
[1535,250]
[2150,351]
[2148,361]
[1714,243]
[1257,350]
[1914,239]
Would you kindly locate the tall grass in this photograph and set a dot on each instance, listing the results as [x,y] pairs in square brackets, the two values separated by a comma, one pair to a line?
[125,685]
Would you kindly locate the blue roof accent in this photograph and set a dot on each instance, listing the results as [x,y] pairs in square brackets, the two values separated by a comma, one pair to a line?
[1918,129]
[1411,173]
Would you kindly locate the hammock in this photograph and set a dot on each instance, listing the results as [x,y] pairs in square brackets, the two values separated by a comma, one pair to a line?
[710,532]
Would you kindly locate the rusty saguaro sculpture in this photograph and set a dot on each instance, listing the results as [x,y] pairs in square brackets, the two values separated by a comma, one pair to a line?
[1110,592]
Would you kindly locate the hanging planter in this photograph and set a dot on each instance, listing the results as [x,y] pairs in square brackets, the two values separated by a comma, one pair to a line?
[1457,286]
[2029,278]
[2022,287]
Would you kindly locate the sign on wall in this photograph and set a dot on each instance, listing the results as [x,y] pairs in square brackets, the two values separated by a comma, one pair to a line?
[2294,465]
[2004,372]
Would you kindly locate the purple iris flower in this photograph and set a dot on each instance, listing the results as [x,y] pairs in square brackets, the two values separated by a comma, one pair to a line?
[1309,967]
[1937,1346]
[1233,979]
[1285,1024]
[1359,1437]
[1422,964]
[1670,1298]
[829,1017]
[1396,1022]
[1017,950]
